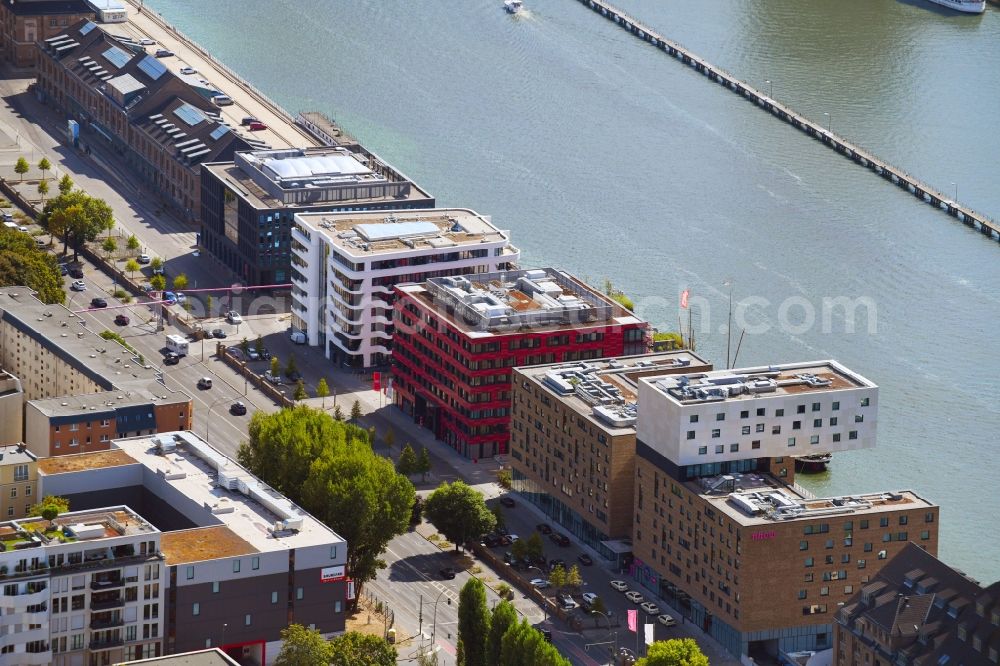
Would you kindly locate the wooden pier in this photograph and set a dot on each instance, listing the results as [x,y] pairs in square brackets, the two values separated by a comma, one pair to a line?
[971,218]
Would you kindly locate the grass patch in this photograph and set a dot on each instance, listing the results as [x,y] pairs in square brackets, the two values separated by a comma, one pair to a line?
[476,569]
[434,537]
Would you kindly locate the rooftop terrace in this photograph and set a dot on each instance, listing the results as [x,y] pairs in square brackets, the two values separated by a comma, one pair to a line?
[363,234]
[750,383]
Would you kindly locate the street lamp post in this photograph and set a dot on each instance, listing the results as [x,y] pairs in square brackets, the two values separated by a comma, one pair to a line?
[435,621]
[208,416]
[545,602]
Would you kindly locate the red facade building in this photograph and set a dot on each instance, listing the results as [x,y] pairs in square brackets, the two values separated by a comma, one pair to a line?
[457,338]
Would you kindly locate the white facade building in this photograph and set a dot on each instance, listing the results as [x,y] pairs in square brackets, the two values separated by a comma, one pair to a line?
[792,409]
[346,265]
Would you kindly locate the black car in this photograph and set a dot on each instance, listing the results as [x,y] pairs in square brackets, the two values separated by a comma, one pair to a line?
[171,359]
[585,559]
[508,502]
[121,320]
[63,270]
[491,540]
[98,303]
[559,539]
[293,376]
[448,573]
[556,562]
[218,333]
[238,408]
[546,634]
[247,120]
[543,528]
[76,272]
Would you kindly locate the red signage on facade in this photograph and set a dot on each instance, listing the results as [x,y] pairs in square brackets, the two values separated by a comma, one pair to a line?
[377,381]
[763,536]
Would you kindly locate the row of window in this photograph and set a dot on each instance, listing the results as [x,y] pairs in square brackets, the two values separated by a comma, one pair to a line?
[780,412]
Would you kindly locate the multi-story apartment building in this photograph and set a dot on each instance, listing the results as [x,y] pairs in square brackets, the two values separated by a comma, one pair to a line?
[572,442]
[87,588]
[918,610]
[248,204]
[346,265]
[241,561]
[18,481]
[88,422]
[25,22]
[142,107]
[11,409]
[760,564]
[457,339]
[81,389]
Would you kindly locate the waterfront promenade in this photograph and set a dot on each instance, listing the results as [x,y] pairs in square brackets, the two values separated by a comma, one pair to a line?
[282,130]
[971,218]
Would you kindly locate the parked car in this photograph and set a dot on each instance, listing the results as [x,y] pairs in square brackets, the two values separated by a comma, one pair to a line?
[546,634]
[298,337]
[163,53]
[236,353]
[147,42]
[143,259]
[78,285]
[256,126]
[589,599]
[448,573]
[650,608]
[23,229]
[238,408]
[490,540]
[218,333]
[274,379]
[293,376]
[39,242]
[666,620]
[98,303]
[233,317]
[249,119]
[540,583]
[508,502]
[76,272]
[634,597]
[584,559]
[158,271]
[559,539]
[170,297]
[543,528]
[122,320]
[556,562]
[567,602]
[205,383]
[181,298]
[171,358]
[252,354]
[513,537]
[63,270]
[620,585]
[188,70]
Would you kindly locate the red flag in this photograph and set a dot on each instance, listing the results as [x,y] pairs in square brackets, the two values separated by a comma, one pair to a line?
[633,620]
[376,381]
[684,299]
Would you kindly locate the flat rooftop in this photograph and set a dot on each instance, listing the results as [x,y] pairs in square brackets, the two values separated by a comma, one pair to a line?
[313,177]
[213,657]
[605,391]
[203,543]
[533,300]
[66,335]
[760,499]
[108,401]
[231,498]
[365,234]
[85,461]
[16,455]
[750,383]
[94,525]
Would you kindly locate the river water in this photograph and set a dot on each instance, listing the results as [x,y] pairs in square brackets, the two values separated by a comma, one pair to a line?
[609,159]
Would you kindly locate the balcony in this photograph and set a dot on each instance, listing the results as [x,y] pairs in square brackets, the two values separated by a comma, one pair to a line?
[106,604]
[106,643]
[107,623]
[106,584]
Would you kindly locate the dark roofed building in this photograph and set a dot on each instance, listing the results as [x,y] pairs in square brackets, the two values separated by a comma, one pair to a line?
[918,611]
[164,127]
[25,22]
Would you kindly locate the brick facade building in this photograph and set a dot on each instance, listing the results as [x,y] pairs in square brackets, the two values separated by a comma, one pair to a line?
[26,22]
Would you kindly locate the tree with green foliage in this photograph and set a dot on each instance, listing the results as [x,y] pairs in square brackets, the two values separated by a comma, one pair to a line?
[505,478]
[43,189]
[245,348]
[355,411]
[474,622]
[504,617]
[275,366]
[322,390]
[675,340]
[424,463]
[357,649]
[44,165]
[389,438]
[132,243]
[180,282]
[523,645]
[500,523]
[573,578]
[85,216]
[209,301]
[156,263]
[459,512]
[618,295]
[291,369]
[300,391]
[109,246]
[303,647]
[519,549]
[131,266]
[534,545]
[22,167]
[338,413]
[65,184]
[329,469]
[50,507]
[158,282]
[417,514]
[460,653]
[557,577]
[258,346]
[599,611]
[407,463]
[23,263]
[675,652]
[429,658]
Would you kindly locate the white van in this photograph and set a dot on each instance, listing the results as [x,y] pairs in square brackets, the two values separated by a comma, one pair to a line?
[177,344]
[222,100]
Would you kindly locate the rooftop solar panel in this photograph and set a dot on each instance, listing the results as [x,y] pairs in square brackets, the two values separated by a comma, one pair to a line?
[189,114]
[87,27]
[117,56]
[57,38]
[191,149]
[185,143]
[219,132]
[192,156]
[152,67]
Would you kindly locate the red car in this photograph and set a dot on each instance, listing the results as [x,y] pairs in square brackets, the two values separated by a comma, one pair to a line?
[256,126]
